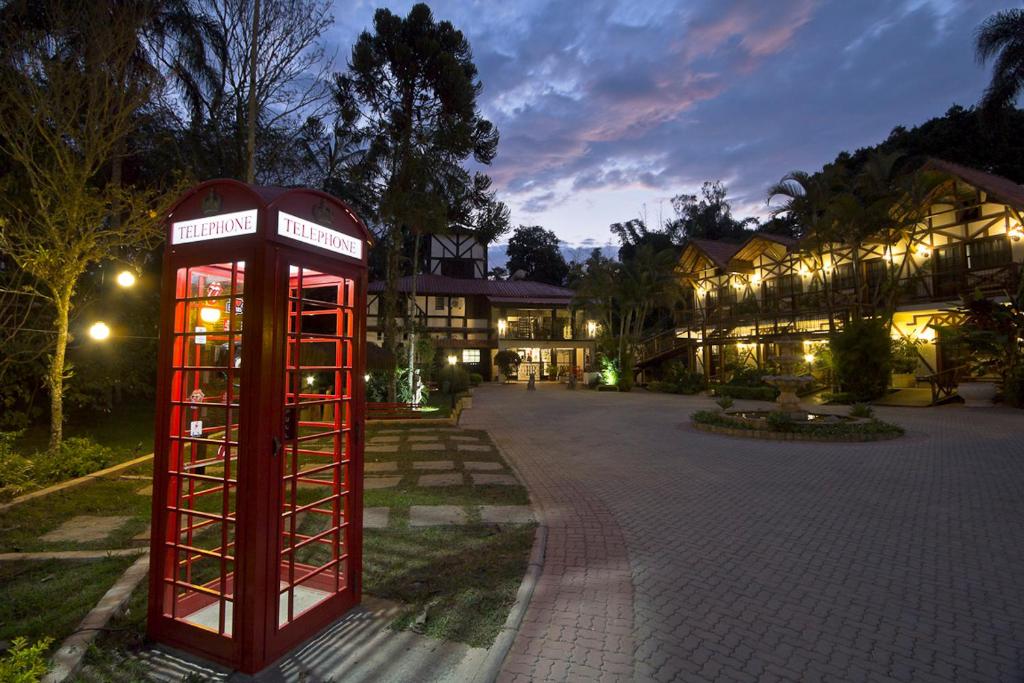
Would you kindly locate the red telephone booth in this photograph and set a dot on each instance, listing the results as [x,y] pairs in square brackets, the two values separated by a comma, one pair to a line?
[257,496]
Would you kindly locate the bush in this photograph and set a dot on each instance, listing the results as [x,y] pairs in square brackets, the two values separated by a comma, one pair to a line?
[862,353]
[476,379]
[779,421]
[76,457]
[25,663]
[724,402]
[377,387]
[678,379]
[761,393]
[455,378]
[861,410]
[16,472]
[747,376]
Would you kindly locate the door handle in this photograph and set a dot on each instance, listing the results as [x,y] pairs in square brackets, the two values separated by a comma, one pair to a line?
[277,446]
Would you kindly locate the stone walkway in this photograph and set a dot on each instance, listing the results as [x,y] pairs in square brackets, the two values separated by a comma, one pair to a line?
[677,555]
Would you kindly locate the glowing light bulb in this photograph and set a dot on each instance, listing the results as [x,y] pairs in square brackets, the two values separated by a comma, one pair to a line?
[808,357]
[99,331]
[923,250]
[209,314]
[310,379]
[126,278]
[452,360]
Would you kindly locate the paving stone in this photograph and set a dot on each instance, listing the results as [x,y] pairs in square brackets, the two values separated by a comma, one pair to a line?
[435,446]
[370,483]
[430,480]
[493,479]
[506,514]
[390,466]
[384,448]
[433,465]
[436,515]
[422,437]
[378,439]
[464,438]
[474,447]
[482,465]
[145,491]
[376,518]
[85,529]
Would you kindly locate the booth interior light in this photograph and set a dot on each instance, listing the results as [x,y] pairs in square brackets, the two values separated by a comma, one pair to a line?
[209,314]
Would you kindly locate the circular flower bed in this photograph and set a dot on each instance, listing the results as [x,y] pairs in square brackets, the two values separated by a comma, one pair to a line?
[781,427]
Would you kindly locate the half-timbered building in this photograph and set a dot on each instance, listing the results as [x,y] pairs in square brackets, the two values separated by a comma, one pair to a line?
[743,299]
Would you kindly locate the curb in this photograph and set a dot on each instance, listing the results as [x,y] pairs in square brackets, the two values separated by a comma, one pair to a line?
[765,435]
[74,482]
[72,554]
[67,660]
[491,668]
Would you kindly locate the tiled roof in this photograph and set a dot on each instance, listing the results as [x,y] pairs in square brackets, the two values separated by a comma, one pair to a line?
[718,252]
[508,290]
[999,187]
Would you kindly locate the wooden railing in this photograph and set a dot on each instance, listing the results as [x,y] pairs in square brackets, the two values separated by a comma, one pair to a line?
[658,345]
[943,383]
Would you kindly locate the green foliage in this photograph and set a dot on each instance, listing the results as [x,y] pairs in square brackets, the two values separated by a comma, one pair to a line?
[508,363]
[780,421]
[16,472]
[747,376]
[990,340]
[377,386]
[905,358]
[677,378]
[862,354]
[536,252]
[609,371]
[724,402]
[25,663]
[476,379]
[454,379]
[758,393]
[861,410]
[76,457]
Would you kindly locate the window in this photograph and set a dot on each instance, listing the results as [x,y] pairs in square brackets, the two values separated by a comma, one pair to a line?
[470,355]
[439,303]
[842,276]
[462,268]
[988,252]
[948,269]
[874,274]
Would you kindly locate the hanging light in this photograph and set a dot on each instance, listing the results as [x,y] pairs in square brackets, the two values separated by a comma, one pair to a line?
[923,250]
[99,331]
[126,278]
[209,314]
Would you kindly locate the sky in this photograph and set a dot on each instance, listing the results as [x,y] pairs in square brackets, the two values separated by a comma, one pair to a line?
[608,108]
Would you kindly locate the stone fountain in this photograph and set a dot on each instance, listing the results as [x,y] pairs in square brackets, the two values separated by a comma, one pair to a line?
[788,382]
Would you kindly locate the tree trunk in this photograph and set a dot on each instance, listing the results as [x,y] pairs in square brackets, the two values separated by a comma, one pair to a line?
[55,373]
[389,308]
[412,317]
[250,173]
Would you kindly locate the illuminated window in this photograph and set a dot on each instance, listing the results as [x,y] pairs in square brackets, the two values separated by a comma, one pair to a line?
[438,303]
[471,355]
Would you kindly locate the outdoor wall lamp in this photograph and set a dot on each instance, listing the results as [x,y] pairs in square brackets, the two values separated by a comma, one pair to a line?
[923,250]
[1016,233]
[502,326]
[453,359]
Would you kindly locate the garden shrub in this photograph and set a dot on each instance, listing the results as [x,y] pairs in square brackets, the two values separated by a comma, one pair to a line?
[16,472]
[779,421]
[476,379]
[76,457]
[678,379]
[747,376]
[25,663]
[758,393]
[862,354]
[724,402]
[455,378]
[861,410]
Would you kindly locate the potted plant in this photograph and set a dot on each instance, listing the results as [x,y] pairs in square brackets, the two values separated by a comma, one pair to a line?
[508,363]
[990,337]
[904,363]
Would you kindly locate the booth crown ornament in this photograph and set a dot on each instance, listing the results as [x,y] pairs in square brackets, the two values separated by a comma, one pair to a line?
[212,203]
[322,213]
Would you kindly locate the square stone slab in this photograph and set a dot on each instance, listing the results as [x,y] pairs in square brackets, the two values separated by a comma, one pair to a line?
[473,447]
[423,437]
[479,465]
[506,514]
[433,465]
[145,491]
[383,448]
[454,479]
[496,479]
[435,446]
[85,528]
[383,439]
[436,515]
[464,438]
[380,466]
[380,482]
[376,518]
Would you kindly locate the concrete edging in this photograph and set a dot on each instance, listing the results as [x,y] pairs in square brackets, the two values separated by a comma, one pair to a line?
[74,482]
[766,435]
[67,660]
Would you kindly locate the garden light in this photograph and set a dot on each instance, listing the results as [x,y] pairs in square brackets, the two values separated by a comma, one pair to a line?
[209,314]
[99,331]
[453,359]
[808,358]
[126,278]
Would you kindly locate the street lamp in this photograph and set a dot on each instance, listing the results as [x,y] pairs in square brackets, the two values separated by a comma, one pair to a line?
[126,279]
[99,331]
[453,359]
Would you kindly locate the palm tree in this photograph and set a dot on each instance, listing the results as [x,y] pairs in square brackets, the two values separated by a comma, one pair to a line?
[1001,37]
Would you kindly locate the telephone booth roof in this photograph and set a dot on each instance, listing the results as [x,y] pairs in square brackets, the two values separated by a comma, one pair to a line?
[226,211]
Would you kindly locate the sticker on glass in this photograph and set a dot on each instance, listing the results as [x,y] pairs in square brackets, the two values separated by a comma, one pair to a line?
[195,428]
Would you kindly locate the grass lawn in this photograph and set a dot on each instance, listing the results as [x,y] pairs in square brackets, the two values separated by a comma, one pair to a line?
[458,582]
[128,430]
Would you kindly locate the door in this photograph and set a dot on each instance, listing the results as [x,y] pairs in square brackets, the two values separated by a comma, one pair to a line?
[317,542]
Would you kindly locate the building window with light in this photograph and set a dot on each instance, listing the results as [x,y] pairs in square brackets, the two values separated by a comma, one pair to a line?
[438,303]
[988,252]
[471,356]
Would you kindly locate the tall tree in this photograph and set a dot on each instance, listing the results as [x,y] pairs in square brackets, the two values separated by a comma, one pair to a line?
[72,94]
[1001,38]
[415,86]
[538,254]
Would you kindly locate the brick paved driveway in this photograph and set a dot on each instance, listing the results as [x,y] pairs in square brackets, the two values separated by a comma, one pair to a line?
[678,555]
